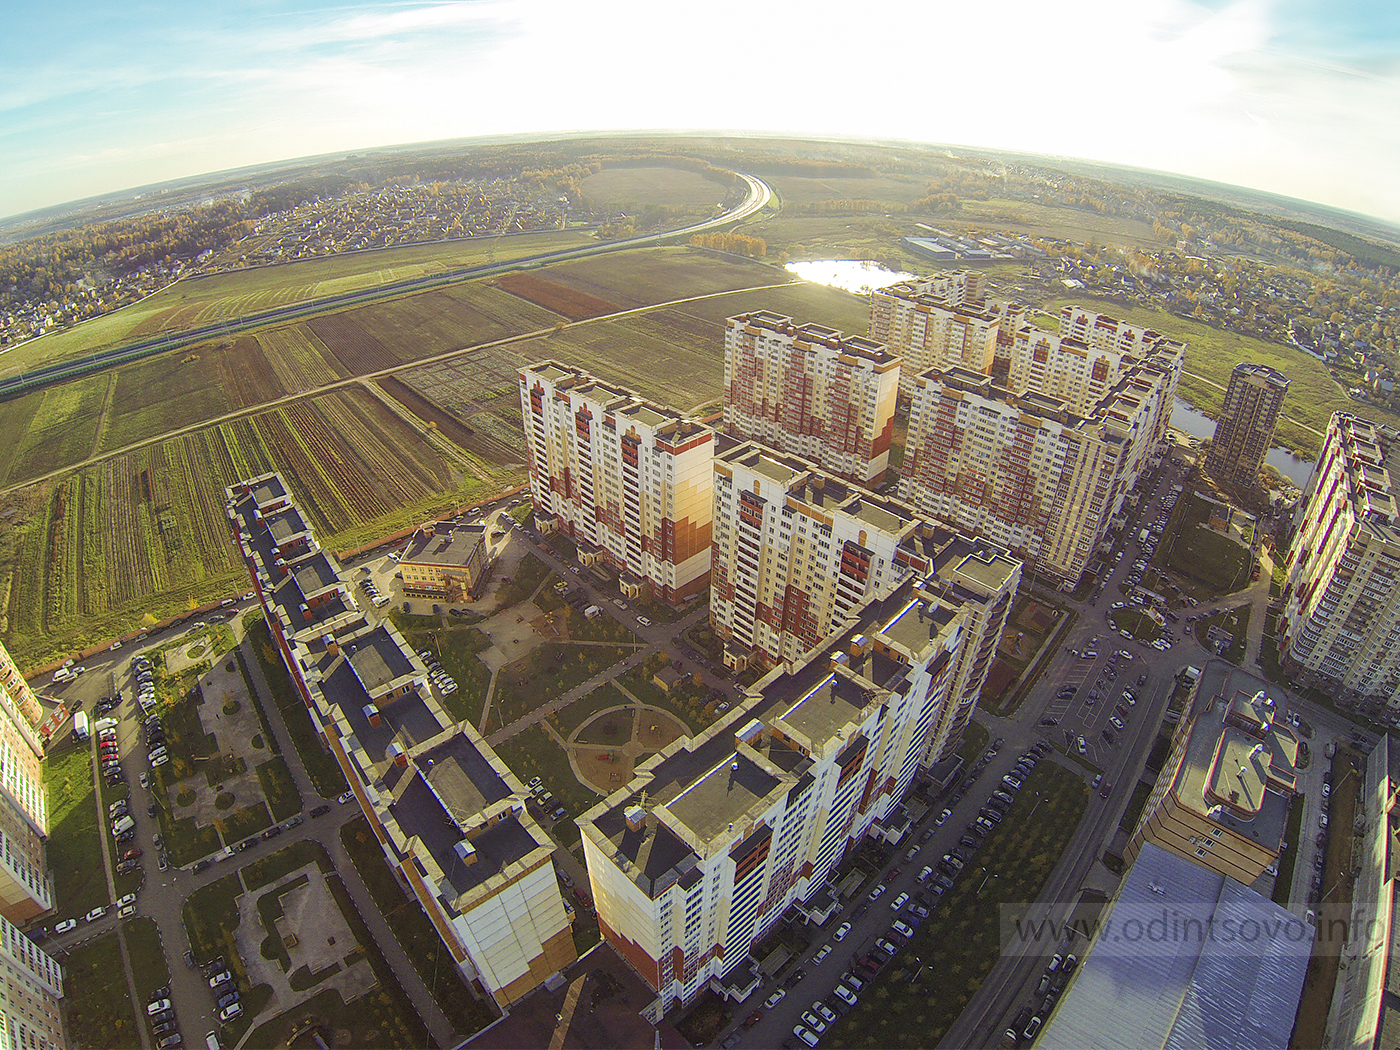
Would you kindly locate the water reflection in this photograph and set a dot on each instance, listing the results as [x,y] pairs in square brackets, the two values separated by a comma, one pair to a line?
[854,275]
[1200,425]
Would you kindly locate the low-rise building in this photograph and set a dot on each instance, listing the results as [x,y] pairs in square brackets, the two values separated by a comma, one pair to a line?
[445,559]
[449,815]
[1222,797]
[1183,957]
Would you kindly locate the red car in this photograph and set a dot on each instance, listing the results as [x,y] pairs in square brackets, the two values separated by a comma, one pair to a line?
[131,854]
[753,1019]
[1105,790]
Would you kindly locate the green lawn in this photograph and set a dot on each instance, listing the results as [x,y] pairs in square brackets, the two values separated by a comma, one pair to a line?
[457,648]
[279,789]
[238,824]
[98,1011]
[148,964]
[580,711]
[688,701]
[1130,815]
[546,674]
[1217,562]
[1142,626]
[414,931]
[529,574]
[960,941]
[1288,856]
[75,841]
[533,754]
[580,628]
[320,764]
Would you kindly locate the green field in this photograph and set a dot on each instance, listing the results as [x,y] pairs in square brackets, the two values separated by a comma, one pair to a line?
[632,188]
[75,842]
[1313,395]
[203,300]
[98,1008]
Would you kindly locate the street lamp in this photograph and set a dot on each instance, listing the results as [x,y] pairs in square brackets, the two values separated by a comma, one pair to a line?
[986,878]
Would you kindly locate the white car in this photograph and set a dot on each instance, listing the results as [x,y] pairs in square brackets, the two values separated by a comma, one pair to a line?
[805,1034]
[827,1013]
[65,926]
[841,931]
[813,1022]
[845,995]
[643,621]
[95,914]
[157,1006]
[126,901]
[822,953]
[774,999]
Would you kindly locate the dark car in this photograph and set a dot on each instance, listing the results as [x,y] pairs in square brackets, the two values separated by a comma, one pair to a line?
[320,811]
[794,979]
[199,865]
[162,1017]
[247,844]
[272,832]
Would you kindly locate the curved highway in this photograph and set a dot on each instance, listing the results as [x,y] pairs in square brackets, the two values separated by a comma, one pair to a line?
[756,198]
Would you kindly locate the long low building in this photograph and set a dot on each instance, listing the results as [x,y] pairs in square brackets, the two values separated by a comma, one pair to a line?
[1218,966]
[449,815]
[696,859]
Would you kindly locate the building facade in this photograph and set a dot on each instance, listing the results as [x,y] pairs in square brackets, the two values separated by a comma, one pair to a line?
[943,321]
[31,985]
[26,888]
[698,858]
[797,549]
[1245,431]
[1024,470]
[1222,797]
[445,559]
[449,815]
[812,392]
[629,481]
[1340,625]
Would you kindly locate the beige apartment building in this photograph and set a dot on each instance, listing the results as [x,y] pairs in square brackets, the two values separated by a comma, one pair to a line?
[31,985]
[716,837]
[796,550]
[1222,797]
[628,480]
[1022,470]
[943,321]
[812,392]
[448,813]
[1340,625]
[26,889]
[1245,431]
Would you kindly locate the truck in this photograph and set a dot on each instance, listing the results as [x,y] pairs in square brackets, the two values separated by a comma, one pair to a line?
[1142,536]
[593,612]
[123,824]
[80,726]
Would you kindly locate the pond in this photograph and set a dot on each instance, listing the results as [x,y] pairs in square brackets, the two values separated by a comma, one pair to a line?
[854,275]
[1187,419]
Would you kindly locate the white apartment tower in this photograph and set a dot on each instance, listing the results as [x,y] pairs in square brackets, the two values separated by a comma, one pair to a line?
[31,984]
[812,392]
[943,321]
[629,481]
[1340,625]
[698,857]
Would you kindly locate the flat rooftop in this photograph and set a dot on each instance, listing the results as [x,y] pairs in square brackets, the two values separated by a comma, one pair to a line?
[462,776]
[420,814]
[818,715]
[919,623]
[1215,751]
[269,490]
[285,525]
[729,790]
[451,544]
[377,660]
[314,573]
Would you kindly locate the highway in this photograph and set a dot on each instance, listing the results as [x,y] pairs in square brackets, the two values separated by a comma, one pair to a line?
[756,198]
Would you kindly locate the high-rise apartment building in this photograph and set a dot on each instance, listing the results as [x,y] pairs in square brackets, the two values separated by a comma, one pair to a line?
[797,549]
[449,815]
[1090,357]
[811,391]
[1340,625]
[696,859]
[31,984]
[944,321]
[26,890]
[1223,795]
[629,481]
[1245,430]
[1024,470]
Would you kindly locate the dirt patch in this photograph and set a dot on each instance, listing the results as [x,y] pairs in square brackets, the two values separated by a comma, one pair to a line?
[448,425]
[570,302]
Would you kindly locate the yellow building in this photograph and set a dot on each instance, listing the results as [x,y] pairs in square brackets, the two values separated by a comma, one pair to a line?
[444,559]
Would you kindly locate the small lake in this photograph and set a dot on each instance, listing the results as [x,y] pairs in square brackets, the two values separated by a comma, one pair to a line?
[854,275]
[1199,425]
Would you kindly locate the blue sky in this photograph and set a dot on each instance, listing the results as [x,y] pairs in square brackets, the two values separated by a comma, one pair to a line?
[1292,96]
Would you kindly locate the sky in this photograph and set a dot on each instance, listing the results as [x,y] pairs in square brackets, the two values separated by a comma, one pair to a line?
[1290,96]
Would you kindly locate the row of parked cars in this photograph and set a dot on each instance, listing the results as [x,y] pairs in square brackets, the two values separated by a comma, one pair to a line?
[160,1015]
[440,678]
[224,989]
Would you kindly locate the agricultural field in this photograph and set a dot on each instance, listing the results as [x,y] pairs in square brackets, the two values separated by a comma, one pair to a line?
[634,188]
[646,276]
[797,189]
[1313,395]
[52,428]
[567,302]
[1067,224]
[143,536]
[198,301]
